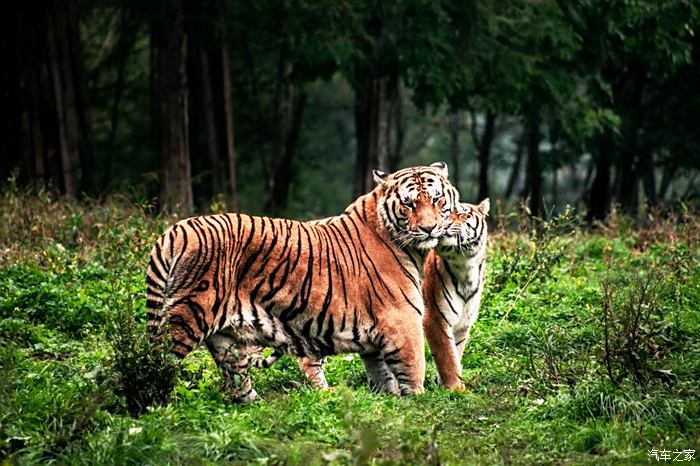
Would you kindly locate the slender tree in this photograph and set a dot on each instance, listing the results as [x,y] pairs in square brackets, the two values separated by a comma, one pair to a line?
[169,81]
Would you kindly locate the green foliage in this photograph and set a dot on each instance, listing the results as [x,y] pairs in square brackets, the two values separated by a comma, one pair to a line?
[538,388]
[145,369]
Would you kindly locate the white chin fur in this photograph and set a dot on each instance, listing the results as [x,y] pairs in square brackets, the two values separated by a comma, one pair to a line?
[450,241]
[428,243]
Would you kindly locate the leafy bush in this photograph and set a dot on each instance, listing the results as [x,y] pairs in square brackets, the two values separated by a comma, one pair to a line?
[145,369]
[635,324]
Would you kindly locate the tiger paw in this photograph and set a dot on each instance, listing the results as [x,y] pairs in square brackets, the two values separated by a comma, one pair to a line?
[244,397]
[457,386]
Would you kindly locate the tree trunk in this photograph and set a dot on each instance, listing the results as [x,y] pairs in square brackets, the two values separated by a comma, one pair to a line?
[371,107]
[648,181]
[666,180]
[515,171]
[212,150]
[11,152]
[126,39]
[455,126]
[628,179]
[58,123]
[289,109]
[170,89]
[290,106]
[533,173]
[396,126]
[600,196]
[485,154]
[230,148]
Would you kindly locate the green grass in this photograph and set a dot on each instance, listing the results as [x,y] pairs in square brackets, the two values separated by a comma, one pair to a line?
[538,386]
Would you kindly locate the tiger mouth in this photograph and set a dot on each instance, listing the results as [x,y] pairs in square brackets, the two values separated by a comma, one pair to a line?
[459,241]
[427,243]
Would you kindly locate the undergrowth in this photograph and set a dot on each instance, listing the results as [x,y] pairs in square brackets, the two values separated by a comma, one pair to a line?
[586,351]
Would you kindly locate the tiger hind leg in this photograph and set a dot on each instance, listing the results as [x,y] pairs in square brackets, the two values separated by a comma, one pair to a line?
[257,360]
[233,363]
[379,375]
[310,367]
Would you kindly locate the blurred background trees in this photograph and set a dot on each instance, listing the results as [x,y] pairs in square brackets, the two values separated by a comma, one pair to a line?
[285,107]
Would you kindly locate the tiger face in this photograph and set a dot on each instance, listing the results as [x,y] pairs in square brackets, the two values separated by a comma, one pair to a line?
[466,230]
[415,204]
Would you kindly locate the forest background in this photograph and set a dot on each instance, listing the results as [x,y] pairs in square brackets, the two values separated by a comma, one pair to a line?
[285,107]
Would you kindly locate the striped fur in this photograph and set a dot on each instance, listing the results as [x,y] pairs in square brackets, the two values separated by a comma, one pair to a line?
[454,276]
[454,280]
[349,283]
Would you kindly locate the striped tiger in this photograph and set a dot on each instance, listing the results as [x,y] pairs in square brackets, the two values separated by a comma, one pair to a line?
[349,283]
[454,280]
[454,276]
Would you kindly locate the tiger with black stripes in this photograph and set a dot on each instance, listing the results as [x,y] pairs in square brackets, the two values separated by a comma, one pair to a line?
[345,284]
[453,283]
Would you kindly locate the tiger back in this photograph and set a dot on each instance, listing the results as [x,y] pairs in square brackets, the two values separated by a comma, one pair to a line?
[349,283]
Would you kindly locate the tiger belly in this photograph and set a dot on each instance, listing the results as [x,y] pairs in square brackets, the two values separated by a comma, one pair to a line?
[301,336]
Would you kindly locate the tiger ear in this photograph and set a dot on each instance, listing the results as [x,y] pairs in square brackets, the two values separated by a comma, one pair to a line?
[442,168]
[380,177]
[484,206]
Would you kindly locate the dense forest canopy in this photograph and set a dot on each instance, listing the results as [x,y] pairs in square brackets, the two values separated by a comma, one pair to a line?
[285,107]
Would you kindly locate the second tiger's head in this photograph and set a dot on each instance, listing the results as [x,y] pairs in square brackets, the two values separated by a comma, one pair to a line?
[415,204]
[467,228]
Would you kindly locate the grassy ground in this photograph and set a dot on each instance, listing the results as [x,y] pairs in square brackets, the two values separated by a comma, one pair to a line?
[586,351]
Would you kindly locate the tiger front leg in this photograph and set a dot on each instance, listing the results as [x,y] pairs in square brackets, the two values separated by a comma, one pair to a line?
[379,375]
[313,370]
[233,363]
[403,355]
[445,354]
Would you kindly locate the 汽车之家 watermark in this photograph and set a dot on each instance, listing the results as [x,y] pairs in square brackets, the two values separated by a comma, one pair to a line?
[669,455]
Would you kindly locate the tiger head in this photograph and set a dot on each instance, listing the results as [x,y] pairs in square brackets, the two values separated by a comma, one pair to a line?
[415,204]
[466,231]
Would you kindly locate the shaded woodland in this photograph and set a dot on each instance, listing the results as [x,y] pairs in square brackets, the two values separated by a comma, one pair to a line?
[285,108]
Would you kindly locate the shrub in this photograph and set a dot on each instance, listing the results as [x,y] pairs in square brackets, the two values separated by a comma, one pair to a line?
[634,326]
[145,369]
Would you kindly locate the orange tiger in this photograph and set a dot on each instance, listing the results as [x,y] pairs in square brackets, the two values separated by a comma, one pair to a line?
[454,280]
[349,283]
[454,275]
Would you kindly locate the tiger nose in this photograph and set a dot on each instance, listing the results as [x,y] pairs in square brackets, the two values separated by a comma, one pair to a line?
[428,229]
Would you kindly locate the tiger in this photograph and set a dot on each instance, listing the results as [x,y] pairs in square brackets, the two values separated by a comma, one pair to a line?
[455,273]
[346,284]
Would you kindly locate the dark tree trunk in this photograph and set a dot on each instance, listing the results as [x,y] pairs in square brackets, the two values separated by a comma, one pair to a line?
[666,180]
[627,193]
[291,110]
[533,172]
[455,127]
[57,109]
[371,110]
[599,197]
[648,181]
[396,127]
[215,178]
[126,38]
[11,151]
[630,165]
[227,120]
[171,120]
[515,171]
[485,154]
